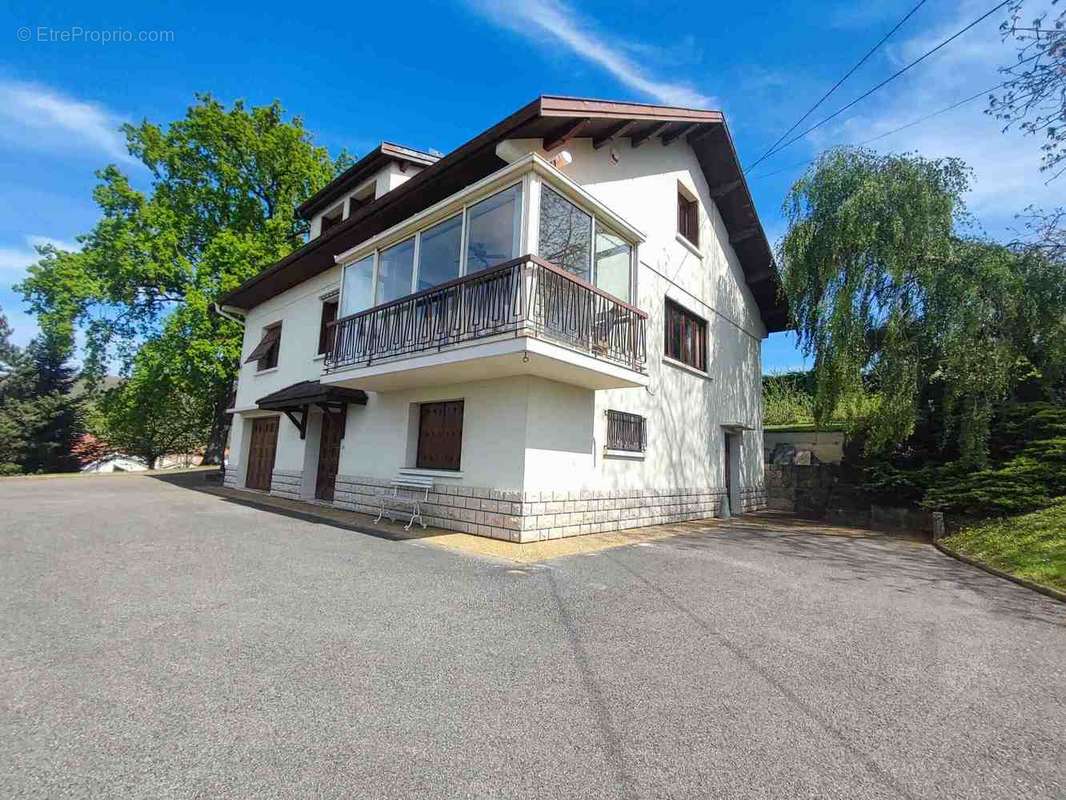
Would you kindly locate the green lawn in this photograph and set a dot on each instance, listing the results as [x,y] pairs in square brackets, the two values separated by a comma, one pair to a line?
[1031,546]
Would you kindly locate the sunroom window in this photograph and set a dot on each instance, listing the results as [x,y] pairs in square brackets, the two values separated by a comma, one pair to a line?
[614,257]
[396,266]
[565,234]
[358,284]
[492,230]
[439,252]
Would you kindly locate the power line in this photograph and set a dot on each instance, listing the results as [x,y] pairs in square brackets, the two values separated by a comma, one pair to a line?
[836,85]
[911,124]
[890,78]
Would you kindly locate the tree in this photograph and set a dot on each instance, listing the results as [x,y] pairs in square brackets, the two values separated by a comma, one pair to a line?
[887,296]
[224,187]
[152,414]
[1034,94]
[88,448]
[12,437]
[39,415]
[8,351]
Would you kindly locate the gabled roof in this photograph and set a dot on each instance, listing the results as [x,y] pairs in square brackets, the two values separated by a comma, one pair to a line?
[360,171]
[554,119]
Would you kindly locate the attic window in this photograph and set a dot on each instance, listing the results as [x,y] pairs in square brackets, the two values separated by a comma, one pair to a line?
[332,217]
[688,216]
[266,352]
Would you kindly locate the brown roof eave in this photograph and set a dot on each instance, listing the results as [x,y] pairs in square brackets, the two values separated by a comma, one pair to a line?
[435,170]
[737,206]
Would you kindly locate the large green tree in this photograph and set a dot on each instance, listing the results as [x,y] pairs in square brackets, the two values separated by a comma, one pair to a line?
[886,294]
[153,413]
[224,185]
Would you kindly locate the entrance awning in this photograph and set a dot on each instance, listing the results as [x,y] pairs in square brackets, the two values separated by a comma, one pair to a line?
[299,397]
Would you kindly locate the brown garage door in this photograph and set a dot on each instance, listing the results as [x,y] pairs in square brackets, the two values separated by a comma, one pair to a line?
[261,452]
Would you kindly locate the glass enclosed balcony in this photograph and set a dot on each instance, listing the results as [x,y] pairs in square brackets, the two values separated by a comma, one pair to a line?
[447,297]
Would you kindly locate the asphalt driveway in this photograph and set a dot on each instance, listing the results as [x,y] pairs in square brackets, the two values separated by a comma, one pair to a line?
[160,642]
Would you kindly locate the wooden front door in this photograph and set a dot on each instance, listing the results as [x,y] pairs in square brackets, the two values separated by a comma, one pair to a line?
[261,451]
[329,454]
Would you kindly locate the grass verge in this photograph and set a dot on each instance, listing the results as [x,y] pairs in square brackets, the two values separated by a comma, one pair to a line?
[1030,546]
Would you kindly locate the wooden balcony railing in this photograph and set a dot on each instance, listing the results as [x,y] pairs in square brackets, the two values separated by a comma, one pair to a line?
[523,297]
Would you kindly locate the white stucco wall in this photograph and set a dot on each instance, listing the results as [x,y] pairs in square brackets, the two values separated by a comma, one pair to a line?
[535,434]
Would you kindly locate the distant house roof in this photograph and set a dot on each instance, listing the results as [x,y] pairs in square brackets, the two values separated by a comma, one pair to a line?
[555,120]
[360,171]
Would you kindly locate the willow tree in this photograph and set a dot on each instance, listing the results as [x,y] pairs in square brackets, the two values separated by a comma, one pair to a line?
[223,187]
[888,296]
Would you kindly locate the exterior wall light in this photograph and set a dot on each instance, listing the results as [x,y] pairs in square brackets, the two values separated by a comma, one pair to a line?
[562,159]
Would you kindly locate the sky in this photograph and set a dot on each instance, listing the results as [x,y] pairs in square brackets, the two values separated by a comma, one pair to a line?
[433,75]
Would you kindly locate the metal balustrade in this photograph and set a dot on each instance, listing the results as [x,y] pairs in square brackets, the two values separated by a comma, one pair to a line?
[523,297]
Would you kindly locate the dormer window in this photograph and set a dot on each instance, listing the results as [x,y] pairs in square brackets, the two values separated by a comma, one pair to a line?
[688,216]
[332,217]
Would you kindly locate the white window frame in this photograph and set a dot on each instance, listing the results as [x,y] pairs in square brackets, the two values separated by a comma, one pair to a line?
[595,227]
[527,173]
[516,246]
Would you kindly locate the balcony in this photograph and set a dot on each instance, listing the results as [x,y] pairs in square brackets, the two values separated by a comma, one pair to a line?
[524,316]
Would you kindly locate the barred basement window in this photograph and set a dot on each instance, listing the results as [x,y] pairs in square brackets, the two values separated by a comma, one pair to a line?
[626,431]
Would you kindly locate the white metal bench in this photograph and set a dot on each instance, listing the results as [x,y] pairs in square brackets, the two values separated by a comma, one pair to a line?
[406,492]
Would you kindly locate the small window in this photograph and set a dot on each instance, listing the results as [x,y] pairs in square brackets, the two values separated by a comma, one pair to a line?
[688,217]
[440,435]
[326,331]
[626,432]
[332,217]
[685,337]
[265,354]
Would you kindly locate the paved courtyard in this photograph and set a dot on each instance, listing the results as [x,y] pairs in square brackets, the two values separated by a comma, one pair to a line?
[157,641]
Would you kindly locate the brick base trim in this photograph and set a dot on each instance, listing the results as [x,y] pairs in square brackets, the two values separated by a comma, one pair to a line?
[535,516]
[231,479]
[286,483]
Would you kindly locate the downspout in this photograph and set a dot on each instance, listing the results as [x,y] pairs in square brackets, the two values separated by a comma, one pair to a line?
[233,315]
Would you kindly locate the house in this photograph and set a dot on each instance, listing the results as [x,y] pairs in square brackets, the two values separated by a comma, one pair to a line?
[116,462]
[558,324]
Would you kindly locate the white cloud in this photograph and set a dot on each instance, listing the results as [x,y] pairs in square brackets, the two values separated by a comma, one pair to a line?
[17,258]
[552,20]
[36,117]
[1006,166]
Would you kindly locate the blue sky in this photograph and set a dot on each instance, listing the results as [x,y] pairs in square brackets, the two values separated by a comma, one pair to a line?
[433,75]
